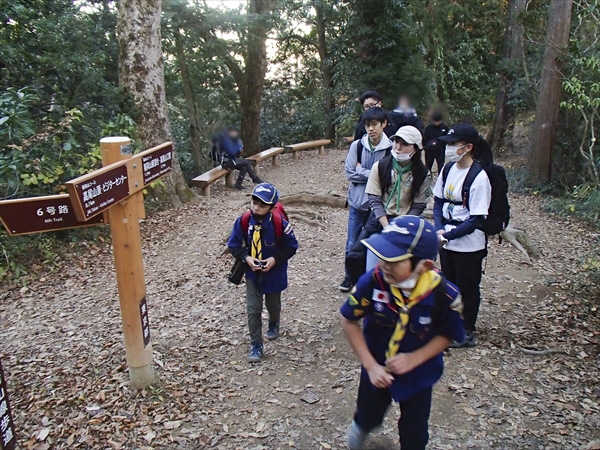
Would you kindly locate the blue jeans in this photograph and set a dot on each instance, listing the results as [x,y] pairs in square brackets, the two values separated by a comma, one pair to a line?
[357,219]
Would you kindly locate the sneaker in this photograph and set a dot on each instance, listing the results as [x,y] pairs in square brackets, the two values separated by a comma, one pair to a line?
[355,437]
[239,187]
[468,342]
[273,332]
[346,285]
[256,353]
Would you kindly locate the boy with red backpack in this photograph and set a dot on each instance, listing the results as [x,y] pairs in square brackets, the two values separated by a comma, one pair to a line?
[265,240]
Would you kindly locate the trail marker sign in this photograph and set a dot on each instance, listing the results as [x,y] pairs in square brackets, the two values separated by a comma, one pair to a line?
[116,191]
[37,214]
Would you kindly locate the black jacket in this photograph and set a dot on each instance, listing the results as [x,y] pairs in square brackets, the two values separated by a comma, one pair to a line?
[431,134]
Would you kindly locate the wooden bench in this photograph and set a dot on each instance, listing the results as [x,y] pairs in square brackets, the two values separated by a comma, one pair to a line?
[265,154]
[321,143]
[207,178]
[347,140]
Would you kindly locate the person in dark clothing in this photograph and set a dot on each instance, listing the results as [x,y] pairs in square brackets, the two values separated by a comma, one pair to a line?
[434,147]
[368,100]
[404,114]
[227,149]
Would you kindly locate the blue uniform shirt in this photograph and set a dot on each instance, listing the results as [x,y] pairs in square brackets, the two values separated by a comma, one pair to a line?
[274,280]
[373,301]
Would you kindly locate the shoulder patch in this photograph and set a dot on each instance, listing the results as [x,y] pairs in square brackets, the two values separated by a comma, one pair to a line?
[352,301]
[364,302]
[358,312]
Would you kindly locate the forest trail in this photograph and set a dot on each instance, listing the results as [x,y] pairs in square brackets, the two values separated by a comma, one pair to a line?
[65,361]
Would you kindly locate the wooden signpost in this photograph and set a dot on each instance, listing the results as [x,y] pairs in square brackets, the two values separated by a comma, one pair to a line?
[116,191]
[8,440]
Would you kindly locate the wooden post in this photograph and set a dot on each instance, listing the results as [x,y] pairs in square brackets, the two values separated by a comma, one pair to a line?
[274,161]
[321,149]
[229,179]
[127,248]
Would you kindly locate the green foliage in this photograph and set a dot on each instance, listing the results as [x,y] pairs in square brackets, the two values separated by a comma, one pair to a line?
[583,201]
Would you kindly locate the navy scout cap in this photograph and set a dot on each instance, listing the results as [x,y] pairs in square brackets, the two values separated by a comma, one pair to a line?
[266,192]
[461,132]
[404,237]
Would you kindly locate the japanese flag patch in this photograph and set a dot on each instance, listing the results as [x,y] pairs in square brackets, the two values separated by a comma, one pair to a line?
[380,296]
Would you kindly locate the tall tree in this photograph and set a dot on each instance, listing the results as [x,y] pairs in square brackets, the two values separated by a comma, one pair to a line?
[251,80]
[141,75]
[548,104]
[511,59]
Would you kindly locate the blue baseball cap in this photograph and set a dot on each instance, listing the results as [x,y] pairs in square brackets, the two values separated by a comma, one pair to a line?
[266,192]
[461,132]
[403,238]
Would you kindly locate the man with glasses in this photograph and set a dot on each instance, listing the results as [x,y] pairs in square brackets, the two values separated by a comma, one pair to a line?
[369,99]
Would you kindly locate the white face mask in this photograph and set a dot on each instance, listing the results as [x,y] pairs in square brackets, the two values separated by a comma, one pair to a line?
[402,157]
[452,153]
[410,282]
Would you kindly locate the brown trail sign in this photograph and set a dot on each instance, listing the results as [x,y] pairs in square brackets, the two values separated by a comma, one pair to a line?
[116,189]
[37,214]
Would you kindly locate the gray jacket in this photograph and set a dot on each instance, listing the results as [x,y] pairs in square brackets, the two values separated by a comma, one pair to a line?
[358,176]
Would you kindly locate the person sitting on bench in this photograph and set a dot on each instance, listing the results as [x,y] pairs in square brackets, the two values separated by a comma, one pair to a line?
[227,148]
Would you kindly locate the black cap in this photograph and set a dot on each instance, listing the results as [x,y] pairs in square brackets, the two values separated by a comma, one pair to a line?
[461,132]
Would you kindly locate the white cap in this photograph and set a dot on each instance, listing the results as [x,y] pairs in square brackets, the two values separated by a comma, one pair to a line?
[410,135]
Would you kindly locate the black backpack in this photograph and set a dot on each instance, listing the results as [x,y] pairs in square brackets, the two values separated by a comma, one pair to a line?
[216,155]
[359,149]
[499,212]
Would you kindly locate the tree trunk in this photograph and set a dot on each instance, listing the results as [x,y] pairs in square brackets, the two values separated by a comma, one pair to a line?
[255,60]
[546,114]
[141,75]
[188,93]
[326,71]
[511,59]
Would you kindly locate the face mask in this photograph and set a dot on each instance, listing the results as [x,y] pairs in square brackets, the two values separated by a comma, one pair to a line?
[410,282]
[452,153]
[402,157]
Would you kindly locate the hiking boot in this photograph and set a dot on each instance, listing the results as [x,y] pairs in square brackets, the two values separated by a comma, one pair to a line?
[355,437]
[273,332]
[257,180]
[256,353]
[346,285]
[468,342]
[239,186]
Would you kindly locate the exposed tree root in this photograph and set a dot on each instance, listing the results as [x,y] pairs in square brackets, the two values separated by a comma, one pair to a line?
[520,240]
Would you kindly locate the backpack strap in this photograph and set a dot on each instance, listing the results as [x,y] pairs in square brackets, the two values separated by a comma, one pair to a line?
[474,170]
[278,224]
[359,149]
[245,221]
[440,302]
[385,173]
[446,171]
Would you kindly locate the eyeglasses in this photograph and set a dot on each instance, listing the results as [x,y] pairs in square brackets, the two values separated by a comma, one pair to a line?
[370,105]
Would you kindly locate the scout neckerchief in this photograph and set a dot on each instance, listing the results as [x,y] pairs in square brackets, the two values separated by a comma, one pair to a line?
[425,284]
[397,188]
[256,246]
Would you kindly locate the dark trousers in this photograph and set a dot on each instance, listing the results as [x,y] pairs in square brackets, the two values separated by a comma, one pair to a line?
[437,156]
[413,424]
[464,270]
[254,307]
[243,166]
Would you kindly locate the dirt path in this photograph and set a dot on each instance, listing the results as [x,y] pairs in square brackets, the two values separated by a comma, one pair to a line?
[64,357]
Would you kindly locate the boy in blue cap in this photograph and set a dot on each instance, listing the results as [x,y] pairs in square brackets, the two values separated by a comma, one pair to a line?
[411,315]
[265,243]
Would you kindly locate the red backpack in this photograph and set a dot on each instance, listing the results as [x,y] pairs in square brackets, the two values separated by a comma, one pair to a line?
[278,213]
